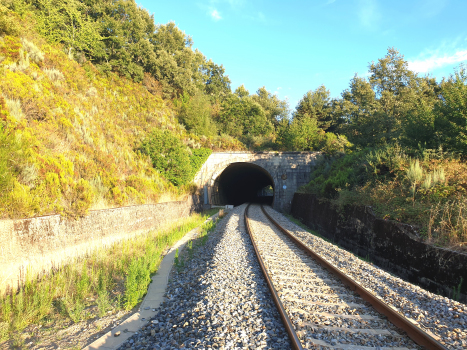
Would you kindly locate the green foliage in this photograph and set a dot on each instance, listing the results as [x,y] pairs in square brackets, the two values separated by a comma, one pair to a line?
[451,112]
[275,109]
[426,192]
[336,173]
[172,158]
[137,280]
[392,105]
[195,113]
[168,155]
[303,134]
[241,116]
[197,158]
[316,105]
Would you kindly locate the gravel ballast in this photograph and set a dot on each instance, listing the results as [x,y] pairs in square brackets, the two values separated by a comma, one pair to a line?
[219,299]
[443,317]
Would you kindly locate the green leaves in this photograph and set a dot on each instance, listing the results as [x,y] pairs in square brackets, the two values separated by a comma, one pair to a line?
[451,112]
[168,156]
[243,116]
[195,113]
[66,22]
[172,158]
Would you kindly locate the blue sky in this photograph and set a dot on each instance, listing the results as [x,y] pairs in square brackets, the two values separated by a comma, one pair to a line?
[296,46]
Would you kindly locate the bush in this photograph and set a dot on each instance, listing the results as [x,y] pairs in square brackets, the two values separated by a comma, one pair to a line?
[172,158]
[197,158]
[12,153]
[168,155]
[8,22]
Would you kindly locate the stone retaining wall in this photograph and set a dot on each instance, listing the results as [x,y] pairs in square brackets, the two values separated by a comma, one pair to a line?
[388,244]
[40,243]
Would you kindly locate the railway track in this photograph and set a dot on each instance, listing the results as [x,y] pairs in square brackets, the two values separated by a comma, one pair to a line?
[319,305]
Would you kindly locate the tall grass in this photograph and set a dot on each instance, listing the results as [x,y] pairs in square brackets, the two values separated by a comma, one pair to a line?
[109,279]
[427,189]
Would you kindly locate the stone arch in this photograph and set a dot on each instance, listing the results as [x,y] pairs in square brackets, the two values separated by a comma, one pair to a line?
[214,181]
[288,171]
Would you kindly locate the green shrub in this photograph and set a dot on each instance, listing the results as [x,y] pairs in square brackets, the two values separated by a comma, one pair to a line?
[168,155]
[197,158]
[172,158]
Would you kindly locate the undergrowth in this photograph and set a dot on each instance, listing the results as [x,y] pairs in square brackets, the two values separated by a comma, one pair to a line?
[109,279]
[426,188]
[182,258]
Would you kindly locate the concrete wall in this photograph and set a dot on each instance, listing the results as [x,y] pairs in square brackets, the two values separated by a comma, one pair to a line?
[388,244]
[289,169]
[43,242]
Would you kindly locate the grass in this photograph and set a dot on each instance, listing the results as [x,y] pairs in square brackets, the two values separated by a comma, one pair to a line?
[109,279]
[426,189]
[188,253]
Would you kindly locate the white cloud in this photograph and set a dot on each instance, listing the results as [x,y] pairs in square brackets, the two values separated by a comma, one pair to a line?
[215,15]
[437,60]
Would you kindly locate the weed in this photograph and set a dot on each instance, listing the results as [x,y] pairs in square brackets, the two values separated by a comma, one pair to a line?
[415,175]
[115,277]
[74,307]
[103,302]
[54,74]
[34,53]
[456,291]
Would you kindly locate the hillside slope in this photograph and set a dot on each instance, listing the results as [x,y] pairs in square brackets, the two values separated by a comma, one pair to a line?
[69,134]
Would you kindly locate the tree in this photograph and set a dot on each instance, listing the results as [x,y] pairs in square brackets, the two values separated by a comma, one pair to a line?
[316,105]
[67,22]
[303,134]
[275,109]
[241,91]
[168,155]
[243,116]
[360,108]
[216,84]
[195,113]
[392,105]
[451,112]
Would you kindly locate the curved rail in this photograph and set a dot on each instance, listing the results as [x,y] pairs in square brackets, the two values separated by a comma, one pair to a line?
[417,334]
[296,345]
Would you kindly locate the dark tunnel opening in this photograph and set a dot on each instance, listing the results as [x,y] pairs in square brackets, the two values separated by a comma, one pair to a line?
[243,182]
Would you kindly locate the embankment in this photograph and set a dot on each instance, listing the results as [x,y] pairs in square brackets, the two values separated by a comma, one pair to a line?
[390,245]
[41,243]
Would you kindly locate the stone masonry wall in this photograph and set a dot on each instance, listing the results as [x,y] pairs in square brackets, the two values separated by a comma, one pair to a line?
[42,242]
[388,244]
[289,171]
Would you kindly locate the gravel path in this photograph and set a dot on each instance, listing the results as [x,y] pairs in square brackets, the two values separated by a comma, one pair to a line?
[218,300]
[445,318]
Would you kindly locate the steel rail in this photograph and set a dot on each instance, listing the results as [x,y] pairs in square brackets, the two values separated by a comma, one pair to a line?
[296,345]
[415,333]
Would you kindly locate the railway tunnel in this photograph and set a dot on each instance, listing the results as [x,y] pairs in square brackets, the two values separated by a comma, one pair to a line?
[243,182]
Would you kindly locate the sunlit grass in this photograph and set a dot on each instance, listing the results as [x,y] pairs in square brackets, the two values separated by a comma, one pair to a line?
[107,280]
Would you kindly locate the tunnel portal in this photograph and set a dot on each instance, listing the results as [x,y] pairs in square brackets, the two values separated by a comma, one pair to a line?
[243,182]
